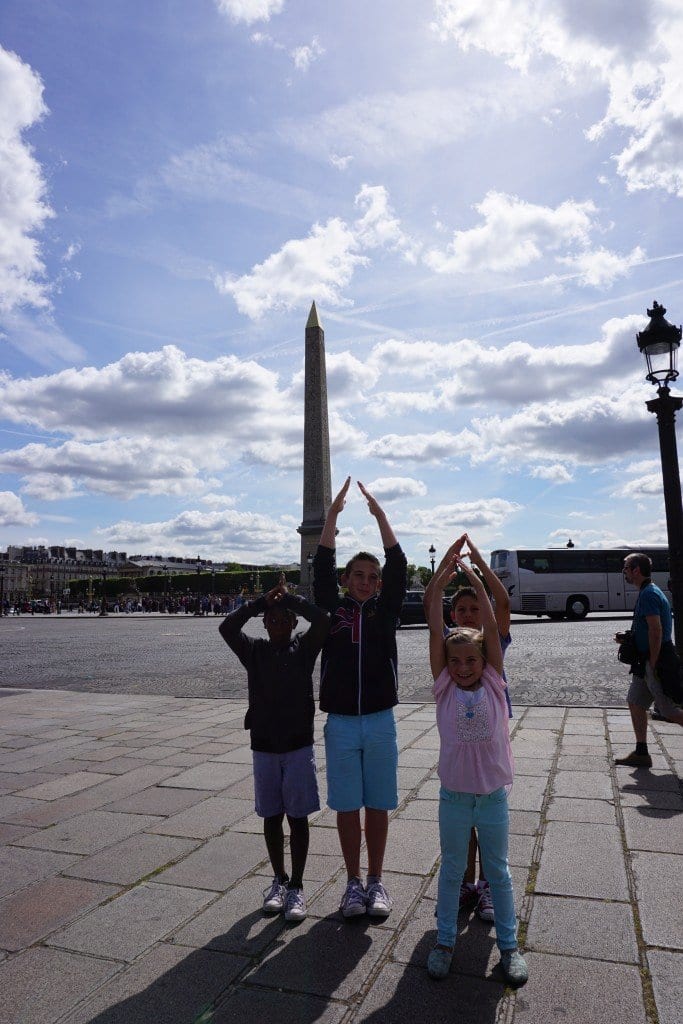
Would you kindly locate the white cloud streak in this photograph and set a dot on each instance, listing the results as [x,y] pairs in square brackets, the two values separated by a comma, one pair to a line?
[23,204]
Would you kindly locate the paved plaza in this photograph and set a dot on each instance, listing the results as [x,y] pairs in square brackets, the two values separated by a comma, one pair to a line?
[132,868]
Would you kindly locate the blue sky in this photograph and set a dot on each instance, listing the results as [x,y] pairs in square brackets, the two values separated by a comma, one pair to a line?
[482,200]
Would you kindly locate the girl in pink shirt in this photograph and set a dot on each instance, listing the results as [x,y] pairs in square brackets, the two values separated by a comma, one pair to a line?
[475,769]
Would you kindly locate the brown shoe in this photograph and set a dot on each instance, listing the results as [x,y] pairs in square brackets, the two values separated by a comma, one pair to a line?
[634,760]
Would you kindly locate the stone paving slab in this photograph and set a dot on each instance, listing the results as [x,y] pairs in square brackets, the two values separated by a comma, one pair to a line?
[133,859]
[41,984]
[583,928]
[561,990]
[565,873]
[34,912]
[660,897]
[89,832]
[167,986]
[20,867]
[667,981]
[127,926]
[589,845]
[219,863]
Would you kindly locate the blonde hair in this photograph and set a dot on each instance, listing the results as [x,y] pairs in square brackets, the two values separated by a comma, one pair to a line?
[466,635]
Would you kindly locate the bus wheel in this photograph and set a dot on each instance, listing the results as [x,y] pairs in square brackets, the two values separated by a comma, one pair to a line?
[555,616]
[577,607]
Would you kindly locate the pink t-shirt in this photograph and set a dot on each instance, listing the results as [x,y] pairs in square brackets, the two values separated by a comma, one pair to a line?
[475,754]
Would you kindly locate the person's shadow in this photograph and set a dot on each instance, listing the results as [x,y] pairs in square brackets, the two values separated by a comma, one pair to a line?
[649,787]
[294,970]
[266,971]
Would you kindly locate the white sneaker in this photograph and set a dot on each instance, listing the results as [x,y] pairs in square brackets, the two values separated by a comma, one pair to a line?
[353,902]
[295,905]
[378,900]
[274,897]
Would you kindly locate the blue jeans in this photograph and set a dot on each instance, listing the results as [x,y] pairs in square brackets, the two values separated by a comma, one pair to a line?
[489,814]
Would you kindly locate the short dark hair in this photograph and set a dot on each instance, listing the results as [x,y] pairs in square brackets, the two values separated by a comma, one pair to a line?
[638,560]
[362,556]
[280,608]
[463,592]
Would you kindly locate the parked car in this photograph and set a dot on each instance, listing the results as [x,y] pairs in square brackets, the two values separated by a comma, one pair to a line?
[412,610]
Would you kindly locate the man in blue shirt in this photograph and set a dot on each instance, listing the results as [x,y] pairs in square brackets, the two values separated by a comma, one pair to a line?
[652,633]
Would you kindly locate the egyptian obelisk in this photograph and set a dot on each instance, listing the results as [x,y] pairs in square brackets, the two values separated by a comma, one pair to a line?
[317,474]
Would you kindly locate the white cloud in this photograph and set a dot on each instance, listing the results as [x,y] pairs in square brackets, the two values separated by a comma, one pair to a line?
[435,447]
[340,162]
[303,56]
[389,126]
[555,472]
[633,48]
[468,371]
[600,268]
[165,393]
[249,11]
[23,206]
[516,233]
[489,514]
[40,338]
[124,467]
[320,265]
[12,511]
[394,488]
[228,533]
[47,486]
[589,430]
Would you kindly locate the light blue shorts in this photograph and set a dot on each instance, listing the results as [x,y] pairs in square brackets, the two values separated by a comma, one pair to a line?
[362,761]
[286,783]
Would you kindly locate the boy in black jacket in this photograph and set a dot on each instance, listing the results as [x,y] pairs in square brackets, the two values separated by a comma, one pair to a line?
[280,720]
[358,689]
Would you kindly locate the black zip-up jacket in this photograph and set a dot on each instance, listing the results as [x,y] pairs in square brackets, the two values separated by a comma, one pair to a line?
[359,665]
[281,705]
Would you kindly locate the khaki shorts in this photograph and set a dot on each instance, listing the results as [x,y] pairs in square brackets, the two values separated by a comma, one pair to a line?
[642,692]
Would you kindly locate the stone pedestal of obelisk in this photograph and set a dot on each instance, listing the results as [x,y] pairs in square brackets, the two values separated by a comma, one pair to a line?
[317,474]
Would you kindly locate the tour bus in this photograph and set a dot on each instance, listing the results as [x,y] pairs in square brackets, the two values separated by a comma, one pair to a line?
[570,582]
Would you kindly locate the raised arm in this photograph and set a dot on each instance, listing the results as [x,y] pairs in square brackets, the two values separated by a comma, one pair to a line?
[437,648]
[386,533]
[501,598]
[329,534]
[494,655]
[454,549]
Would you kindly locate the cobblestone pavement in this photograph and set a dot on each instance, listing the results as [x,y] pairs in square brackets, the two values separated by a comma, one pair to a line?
[132,867]
[568,663]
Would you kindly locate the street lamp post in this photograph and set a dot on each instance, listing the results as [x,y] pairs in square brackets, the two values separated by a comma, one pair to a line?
[309,563]
[2,592]
[659,343]
[432,553]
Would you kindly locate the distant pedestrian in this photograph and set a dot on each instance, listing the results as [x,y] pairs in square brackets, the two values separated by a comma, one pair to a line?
[475,769]
[358,690]
[656,669]
[280,719]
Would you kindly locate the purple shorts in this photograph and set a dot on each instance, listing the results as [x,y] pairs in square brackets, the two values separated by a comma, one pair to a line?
[286,783]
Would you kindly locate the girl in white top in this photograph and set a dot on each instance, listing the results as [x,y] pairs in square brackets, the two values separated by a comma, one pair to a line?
[475,769]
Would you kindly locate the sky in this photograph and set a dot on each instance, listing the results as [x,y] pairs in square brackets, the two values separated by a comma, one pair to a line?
[483,200]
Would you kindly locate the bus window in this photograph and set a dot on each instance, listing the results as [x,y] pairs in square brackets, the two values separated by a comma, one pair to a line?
[534,561]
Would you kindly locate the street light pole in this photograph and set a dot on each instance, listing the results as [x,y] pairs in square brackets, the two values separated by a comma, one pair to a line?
[432,553]
[659,342]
